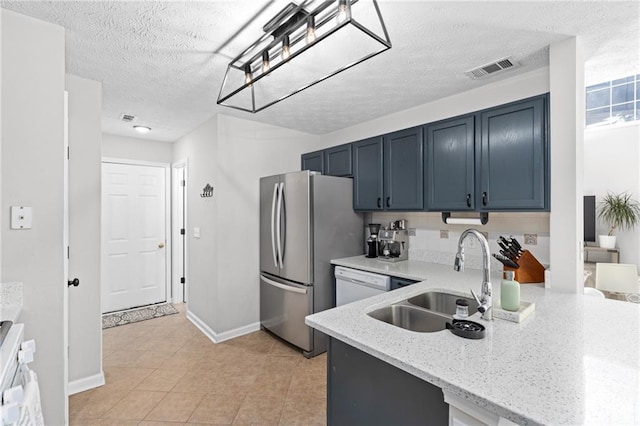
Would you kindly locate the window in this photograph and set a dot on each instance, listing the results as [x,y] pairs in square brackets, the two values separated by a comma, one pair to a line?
[613,102]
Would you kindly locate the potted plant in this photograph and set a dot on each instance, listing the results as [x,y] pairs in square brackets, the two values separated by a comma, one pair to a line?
[619,211]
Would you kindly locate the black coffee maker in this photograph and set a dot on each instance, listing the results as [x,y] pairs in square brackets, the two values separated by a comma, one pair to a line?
[372,241]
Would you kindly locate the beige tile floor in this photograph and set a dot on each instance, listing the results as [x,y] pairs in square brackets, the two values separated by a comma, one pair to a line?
[165,371]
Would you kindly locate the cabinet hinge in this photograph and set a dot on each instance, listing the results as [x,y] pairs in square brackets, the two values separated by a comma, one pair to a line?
[68,253]
[183,182]
[68,153]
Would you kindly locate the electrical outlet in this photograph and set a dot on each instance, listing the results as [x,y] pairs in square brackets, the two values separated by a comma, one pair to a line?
[412,232]
[531,239]
[444,234]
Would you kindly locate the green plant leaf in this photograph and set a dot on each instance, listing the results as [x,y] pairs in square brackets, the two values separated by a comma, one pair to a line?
[619,211]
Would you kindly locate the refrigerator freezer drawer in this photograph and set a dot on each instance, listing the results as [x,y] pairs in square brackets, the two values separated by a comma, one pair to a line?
[283,307]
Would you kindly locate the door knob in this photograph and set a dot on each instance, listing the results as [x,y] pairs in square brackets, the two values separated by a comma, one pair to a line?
[74,282]
[161,245]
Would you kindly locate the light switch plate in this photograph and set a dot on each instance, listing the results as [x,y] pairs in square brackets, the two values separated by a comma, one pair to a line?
[196,232]
[21,217]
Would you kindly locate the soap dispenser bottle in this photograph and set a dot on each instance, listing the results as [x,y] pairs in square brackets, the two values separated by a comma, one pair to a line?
[510,292]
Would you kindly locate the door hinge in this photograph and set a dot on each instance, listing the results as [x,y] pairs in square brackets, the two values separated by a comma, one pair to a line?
[182,231]
[183,182]
[182,280]
[68,253]
[68,153]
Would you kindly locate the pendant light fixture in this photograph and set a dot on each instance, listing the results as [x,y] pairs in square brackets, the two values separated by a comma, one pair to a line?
[302,45]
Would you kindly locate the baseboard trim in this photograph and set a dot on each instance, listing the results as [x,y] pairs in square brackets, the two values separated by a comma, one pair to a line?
[226,335]
[86,383]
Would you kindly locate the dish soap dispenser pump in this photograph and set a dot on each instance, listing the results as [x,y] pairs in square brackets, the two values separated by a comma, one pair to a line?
[510,292]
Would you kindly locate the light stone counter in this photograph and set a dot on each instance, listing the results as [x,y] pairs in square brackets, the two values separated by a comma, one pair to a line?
[10,301]
[409,269]
[575,360]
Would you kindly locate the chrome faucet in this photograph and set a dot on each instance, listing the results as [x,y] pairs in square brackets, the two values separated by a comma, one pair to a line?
[484,301]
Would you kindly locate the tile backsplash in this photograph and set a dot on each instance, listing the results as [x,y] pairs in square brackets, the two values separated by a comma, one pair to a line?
[436,242]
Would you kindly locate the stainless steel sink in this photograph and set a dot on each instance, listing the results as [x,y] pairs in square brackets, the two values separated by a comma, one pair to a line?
[411,318]
[444,303]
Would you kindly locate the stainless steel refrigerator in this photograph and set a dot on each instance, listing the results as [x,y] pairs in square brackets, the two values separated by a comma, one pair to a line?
[306,219]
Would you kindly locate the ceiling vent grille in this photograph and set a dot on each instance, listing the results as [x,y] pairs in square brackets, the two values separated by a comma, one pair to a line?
[492,68]
[127,118]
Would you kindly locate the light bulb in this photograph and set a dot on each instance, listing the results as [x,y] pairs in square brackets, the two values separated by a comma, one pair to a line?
[344,12]
[311,30]
[266,66]
[286,50]
[142,129]
[248,77]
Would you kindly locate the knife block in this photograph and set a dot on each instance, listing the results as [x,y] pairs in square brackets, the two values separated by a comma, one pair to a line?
[530,270]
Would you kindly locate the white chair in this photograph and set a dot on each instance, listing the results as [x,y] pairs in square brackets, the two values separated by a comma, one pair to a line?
[618,278]
[590,291]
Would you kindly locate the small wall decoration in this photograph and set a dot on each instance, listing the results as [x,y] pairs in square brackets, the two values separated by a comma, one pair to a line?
[207,191]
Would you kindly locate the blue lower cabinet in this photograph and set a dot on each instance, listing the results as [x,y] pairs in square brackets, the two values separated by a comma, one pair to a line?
[401,282]
[364,390]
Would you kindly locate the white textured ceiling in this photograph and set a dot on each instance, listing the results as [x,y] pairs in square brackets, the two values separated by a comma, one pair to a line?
[164,61]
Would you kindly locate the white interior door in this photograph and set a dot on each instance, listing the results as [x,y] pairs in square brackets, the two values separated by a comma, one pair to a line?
[134,218]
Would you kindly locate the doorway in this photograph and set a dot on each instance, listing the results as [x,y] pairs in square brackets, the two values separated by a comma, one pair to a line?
[178,232]
[135,225]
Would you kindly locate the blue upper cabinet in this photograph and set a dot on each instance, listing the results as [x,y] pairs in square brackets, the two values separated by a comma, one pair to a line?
[313,161]
[367,175]
[337,161]
[513,157]
[449,159]
[403,170]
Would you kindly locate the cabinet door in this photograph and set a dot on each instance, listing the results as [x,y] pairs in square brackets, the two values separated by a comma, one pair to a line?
[403,175]
[337,161]
[313,161]
[449,165]
[513,151]
[367,174]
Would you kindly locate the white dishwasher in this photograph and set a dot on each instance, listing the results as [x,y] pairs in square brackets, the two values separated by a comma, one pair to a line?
[352,284]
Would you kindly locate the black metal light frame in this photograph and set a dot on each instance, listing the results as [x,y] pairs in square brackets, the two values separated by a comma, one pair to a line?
[281,27]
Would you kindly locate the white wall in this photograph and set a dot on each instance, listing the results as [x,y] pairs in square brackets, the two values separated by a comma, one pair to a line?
[122,147]
[85,323]
[33,81]
[611,159]
[566,80]
[511,89]
[247,151]
[231,154]
[199,147]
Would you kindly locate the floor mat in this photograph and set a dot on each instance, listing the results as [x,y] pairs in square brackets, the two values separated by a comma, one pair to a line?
[115,319]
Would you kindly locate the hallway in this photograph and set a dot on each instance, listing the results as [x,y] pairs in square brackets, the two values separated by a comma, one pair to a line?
[165,371]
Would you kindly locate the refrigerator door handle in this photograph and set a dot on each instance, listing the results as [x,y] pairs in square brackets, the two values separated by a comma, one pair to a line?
[278,226]
[283,286]
[273,218]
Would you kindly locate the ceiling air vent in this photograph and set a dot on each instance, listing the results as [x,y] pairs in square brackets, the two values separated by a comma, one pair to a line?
[127,118]
[493,67]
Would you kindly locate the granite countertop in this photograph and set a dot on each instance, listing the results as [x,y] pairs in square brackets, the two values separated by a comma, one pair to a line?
[10,301]
[575,360]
